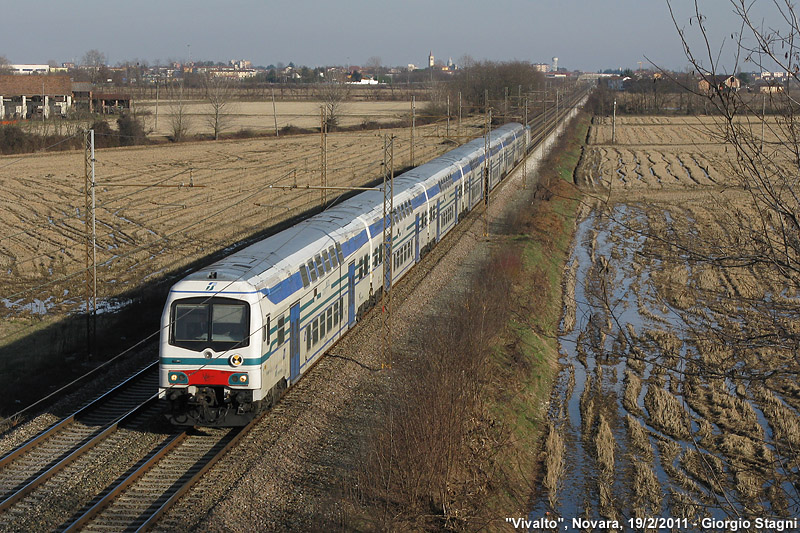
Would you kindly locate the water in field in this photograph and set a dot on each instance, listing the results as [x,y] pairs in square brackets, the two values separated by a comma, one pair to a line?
[654,415]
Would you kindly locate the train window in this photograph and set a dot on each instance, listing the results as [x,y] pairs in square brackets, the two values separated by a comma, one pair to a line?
[339,253]
[267,333]
[312,271]
[304,276]
[366,264]
[308,340]
[218,323]
[228,322]
[326,260]
[322,329]
[330,319]
[334,259]
[190,322]
[281,334]
[320,267]
[335,313]
[341,309]
[315,332]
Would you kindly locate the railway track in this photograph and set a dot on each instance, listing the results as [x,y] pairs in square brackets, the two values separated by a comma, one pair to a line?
[57,449]
[144,494]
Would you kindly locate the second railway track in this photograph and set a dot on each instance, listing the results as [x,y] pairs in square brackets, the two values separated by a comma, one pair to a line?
[68,449]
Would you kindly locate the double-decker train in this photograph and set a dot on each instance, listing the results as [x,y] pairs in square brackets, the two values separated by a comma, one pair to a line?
[237,333]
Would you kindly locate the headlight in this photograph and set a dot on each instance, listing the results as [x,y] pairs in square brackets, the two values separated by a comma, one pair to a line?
[238,379]
[177,378]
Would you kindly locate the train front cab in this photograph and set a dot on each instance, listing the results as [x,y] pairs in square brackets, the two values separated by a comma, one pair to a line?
[210,359]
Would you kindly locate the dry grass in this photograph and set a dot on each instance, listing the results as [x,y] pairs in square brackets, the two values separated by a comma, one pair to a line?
[630,398]
[554,464]
[666,412]
[604,450]
[639,439]
[647,491]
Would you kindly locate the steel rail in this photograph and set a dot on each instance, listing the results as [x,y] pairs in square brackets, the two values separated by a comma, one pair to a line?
[106,500]
[83,448]
[183,489]
[176,490]
[52,430]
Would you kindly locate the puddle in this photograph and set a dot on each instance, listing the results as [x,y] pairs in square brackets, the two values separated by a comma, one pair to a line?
[622,326]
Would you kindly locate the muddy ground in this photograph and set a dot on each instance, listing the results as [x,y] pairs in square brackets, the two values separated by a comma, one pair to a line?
[678,395]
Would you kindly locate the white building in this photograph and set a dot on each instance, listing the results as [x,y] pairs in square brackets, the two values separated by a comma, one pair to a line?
[29,69]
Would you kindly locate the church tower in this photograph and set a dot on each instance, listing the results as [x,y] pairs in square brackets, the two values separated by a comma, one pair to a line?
[430,60]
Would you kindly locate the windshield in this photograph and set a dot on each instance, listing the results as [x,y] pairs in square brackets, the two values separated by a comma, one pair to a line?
[218,323]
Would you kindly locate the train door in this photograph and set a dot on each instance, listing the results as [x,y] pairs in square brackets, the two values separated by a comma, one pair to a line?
[438,222]
[351,294]
[294,342]
[457,204]
[416,239]
[469,186]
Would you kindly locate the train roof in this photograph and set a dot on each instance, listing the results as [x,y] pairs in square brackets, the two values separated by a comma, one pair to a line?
[267,262]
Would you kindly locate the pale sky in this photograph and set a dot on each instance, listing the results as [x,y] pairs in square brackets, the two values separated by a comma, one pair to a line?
[588,35]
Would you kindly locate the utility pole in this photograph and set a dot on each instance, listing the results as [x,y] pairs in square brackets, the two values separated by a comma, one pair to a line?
[555,120]
[505,105]
[274,113]
[323,155]
[413,126]
[91,241]
[486,167]
[763,118]
[459,115]
[525,150]
[156,126]
[448,116]
[614,124]
[388,229]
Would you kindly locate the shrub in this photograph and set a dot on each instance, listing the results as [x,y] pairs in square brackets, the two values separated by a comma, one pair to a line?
[104,136]
[131,131]
[14,141]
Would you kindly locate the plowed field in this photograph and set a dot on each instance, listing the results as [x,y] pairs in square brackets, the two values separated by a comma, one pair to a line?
[677,396]
[160,208]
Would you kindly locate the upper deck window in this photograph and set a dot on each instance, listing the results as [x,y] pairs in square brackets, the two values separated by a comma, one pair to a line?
[304,276]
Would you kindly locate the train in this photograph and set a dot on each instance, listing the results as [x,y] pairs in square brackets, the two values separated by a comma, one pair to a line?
[237,333]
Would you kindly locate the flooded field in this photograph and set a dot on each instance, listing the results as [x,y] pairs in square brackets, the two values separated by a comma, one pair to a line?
[678,395]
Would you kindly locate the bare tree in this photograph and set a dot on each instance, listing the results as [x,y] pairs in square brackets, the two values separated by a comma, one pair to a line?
[218,93]
[94,60]
[5,66]
[374,64]
[179,118]
[766,168]
[334,92]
